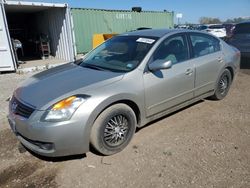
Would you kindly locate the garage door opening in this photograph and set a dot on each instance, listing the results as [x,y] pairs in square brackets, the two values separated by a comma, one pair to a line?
[39,33]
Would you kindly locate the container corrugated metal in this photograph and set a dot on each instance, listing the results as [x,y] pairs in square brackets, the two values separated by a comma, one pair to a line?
[59,29]
[92,21]
[58,26]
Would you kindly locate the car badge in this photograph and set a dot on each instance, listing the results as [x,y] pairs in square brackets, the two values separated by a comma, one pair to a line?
[14,107]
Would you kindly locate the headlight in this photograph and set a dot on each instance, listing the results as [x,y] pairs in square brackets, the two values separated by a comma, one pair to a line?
[63,110]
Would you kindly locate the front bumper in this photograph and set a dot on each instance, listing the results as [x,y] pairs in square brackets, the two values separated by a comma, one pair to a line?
[51,139]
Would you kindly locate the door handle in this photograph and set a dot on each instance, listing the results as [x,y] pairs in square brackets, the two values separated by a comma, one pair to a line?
[189,71]
[220,59]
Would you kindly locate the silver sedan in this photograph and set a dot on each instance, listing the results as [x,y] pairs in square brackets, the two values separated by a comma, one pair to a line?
[124,83]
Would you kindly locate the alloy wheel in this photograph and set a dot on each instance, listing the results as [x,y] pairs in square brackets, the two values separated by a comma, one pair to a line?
[116,130]
[223,85]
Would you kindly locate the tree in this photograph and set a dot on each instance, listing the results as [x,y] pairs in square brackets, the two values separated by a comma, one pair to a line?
[208,20]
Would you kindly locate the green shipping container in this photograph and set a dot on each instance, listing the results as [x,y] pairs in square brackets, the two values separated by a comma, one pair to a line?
[92,21]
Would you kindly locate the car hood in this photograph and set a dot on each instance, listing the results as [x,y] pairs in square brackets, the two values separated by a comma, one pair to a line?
[60,82]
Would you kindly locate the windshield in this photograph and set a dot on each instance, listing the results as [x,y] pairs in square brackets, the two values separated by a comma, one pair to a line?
[119,54]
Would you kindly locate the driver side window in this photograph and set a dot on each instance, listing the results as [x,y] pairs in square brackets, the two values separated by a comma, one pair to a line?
[174,49]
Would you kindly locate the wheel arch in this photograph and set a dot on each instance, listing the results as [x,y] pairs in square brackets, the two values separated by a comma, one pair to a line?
[114,128]
[231,70]
[133,106]
[107,103]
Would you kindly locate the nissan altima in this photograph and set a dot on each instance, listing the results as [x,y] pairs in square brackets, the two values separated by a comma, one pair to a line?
[124,83]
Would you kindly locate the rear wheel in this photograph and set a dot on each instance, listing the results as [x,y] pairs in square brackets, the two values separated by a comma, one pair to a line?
[223,85]
[113,129]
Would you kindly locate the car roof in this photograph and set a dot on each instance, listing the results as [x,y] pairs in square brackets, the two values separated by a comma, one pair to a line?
[161,32]
[244,22]
[152,32]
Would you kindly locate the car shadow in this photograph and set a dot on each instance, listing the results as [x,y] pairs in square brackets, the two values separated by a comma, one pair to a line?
[7,72]
[171,114]
[23,149]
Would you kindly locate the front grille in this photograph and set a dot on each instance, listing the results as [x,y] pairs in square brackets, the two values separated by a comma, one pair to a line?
[21,109]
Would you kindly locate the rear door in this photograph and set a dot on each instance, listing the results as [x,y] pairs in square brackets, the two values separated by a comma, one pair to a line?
[208,60]
[6,55]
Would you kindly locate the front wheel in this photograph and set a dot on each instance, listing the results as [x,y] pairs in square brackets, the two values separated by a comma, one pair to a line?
[223,85]
[113,129]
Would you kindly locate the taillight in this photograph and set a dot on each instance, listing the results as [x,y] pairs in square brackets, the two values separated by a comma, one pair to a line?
[238,53]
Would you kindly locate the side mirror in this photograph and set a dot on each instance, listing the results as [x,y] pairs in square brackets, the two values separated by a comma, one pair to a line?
[160,64]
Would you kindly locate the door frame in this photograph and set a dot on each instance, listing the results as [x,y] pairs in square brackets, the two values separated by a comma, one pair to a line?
[12,66]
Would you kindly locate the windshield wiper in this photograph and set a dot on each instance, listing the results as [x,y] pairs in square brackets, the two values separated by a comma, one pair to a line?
[93,66]
[96,67]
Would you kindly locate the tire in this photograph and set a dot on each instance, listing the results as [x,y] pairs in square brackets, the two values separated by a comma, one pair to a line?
[223,85]
[113,129]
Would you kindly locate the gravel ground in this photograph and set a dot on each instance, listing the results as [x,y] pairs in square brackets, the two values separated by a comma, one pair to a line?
[204,145]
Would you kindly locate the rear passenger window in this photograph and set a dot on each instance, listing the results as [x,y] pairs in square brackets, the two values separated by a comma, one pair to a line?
[204,44]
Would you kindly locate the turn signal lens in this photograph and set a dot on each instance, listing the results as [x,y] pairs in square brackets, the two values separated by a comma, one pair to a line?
[64,109]
[64,103]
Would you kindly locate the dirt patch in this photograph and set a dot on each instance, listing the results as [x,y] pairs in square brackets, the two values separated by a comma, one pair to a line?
[18,172]
[44,178]
[23,169]
[8,144]
[28,174]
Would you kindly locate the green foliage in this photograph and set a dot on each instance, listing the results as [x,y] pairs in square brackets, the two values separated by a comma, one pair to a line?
[208,20]
[236,20]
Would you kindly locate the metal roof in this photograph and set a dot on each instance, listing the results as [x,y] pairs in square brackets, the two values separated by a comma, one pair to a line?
[30,7]
[162,32]
[121,10]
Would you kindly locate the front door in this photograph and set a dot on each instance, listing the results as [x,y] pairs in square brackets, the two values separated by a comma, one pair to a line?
[169,87]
